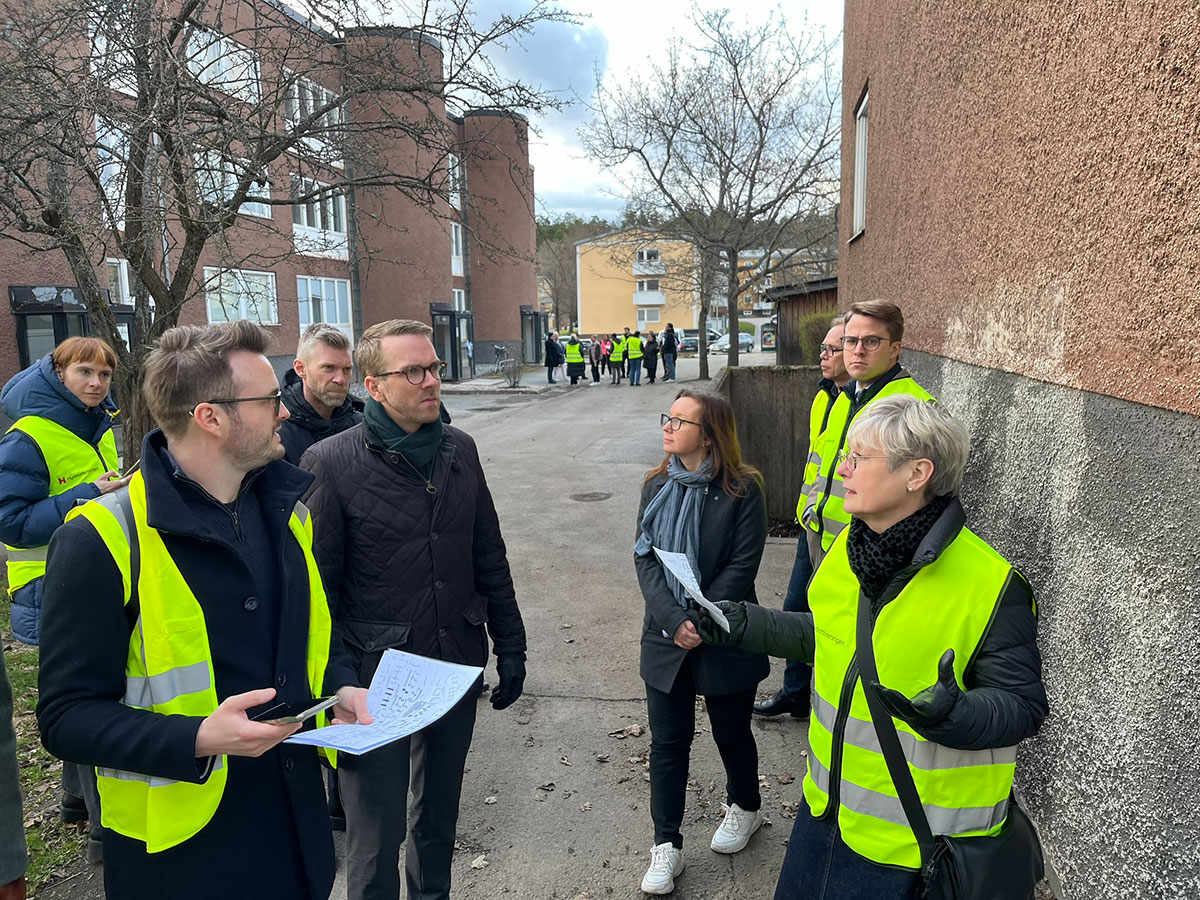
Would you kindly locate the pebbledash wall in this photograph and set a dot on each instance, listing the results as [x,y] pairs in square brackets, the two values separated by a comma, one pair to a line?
[1030,202]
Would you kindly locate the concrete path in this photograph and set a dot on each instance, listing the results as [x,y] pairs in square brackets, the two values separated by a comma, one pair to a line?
[554,805]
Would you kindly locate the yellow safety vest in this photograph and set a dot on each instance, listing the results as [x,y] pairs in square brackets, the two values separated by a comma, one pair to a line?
[574,353]
[169,669]
[633,347]
[818,419]
[618,351]
[948,604]
[70,461]
[830,517]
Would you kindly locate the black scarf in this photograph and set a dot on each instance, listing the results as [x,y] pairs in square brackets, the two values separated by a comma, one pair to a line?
[876,558]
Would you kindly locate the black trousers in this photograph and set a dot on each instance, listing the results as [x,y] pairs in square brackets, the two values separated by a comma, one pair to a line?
[375,789]
[672,725]
[595,372]
[651,368]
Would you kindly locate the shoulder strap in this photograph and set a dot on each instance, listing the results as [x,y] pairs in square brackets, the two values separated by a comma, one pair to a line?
[889,741]
[119,504]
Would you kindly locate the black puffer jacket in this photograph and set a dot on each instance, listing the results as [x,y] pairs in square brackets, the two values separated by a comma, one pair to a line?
[304,427]
[404,568]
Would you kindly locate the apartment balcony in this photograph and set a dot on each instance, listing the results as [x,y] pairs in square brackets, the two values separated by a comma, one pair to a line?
[657,267]
[649,298]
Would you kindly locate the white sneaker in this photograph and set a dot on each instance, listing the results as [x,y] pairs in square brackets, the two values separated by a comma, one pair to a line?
[734,833]
[666,861]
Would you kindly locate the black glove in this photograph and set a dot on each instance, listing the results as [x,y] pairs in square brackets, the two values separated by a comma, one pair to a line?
[511,669]
[931,705]
[712,633]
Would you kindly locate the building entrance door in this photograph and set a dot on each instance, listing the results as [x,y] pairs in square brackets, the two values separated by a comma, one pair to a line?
[454,340]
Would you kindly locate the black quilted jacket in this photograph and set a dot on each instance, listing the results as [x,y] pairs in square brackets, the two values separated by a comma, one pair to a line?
[404,568]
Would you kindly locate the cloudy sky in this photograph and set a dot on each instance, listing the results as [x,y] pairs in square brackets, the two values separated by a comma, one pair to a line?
[616,38]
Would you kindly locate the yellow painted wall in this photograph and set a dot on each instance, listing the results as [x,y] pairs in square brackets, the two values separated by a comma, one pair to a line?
[608,285]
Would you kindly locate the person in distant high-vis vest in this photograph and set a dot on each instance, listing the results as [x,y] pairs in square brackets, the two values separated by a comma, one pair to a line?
[205,612]
[954,662]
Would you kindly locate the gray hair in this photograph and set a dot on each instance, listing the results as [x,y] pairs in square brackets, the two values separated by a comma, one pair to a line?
[321,333]
[905,427]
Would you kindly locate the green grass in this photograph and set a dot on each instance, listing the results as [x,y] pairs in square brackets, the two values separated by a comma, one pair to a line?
[53,846]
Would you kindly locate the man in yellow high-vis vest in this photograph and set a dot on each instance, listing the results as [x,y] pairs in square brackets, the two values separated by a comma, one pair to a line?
[871,354]
[793,697]
[205,610]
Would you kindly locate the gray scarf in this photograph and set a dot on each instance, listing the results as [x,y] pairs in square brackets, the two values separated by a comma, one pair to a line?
[671,521]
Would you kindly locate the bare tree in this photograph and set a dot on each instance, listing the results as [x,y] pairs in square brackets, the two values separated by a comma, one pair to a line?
[729,144]
[556,237]
[146,129]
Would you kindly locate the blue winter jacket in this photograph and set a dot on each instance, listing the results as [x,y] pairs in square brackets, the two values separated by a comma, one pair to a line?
[28,514]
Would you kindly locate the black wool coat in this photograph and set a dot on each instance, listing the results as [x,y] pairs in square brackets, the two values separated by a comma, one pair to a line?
[406,569]
[270,835]
[733,531]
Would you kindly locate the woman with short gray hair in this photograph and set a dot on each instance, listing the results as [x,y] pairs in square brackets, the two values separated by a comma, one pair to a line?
[926,673]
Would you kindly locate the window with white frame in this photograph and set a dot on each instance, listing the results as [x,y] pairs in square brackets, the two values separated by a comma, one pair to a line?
[233,294]
[649,254]
[217,178]
[647,316]
[860,165]
[318,218]
[455,176]
[312,107]
[459,298]
[226,65]
[647,284]
[118,281]
[112,148]
[325,300]
[111,61]
[456,249]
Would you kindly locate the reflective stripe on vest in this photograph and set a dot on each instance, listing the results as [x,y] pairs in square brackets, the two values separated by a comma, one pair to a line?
[948,604]
[168,668]
[574,353]
[830,516]
[818,418]
[71,461]
[633,347]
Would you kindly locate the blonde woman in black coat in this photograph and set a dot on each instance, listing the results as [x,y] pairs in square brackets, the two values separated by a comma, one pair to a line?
[704,502]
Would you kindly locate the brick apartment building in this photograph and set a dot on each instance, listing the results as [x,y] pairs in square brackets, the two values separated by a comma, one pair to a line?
[459,258]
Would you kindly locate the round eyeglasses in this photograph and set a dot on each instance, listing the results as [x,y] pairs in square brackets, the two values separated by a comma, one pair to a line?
[416,374]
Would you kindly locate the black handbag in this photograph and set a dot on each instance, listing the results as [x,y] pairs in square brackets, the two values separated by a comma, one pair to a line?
[1004,866]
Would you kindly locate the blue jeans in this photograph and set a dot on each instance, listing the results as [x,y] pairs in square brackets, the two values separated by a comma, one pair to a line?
[668,360]
[796,675]
[635,371]
[819,866]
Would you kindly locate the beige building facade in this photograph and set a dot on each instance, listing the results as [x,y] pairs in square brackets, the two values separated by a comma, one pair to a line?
[634,279]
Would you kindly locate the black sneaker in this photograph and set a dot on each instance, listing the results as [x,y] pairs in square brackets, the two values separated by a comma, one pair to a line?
[780,704]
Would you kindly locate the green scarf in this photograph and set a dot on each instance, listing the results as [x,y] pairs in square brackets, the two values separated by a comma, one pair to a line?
[420,448]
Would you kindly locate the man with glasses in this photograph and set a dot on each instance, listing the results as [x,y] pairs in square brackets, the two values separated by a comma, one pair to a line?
[204,611]
[793,698]
[871,355]
[408,541]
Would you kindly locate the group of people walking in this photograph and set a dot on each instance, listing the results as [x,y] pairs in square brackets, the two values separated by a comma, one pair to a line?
[252,563]
[911,642]
[621,355]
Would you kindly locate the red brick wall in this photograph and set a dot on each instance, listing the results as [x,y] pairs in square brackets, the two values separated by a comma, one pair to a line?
[501,223]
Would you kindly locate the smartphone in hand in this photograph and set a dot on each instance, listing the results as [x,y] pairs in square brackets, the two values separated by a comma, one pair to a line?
[271,716]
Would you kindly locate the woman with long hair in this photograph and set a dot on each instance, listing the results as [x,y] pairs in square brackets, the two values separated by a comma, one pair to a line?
[704,502]
[922,642]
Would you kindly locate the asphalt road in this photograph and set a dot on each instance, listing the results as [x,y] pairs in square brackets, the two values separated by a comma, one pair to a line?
[554,805]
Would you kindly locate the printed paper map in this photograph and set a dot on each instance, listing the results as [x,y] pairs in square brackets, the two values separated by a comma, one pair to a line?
[407,693]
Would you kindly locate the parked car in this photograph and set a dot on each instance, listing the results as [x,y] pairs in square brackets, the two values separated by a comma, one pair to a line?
[721,344]
[689,339]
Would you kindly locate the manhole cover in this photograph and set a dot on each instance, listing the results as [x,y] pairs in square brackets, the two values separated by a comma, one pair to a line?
[488,408]
[590,498]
